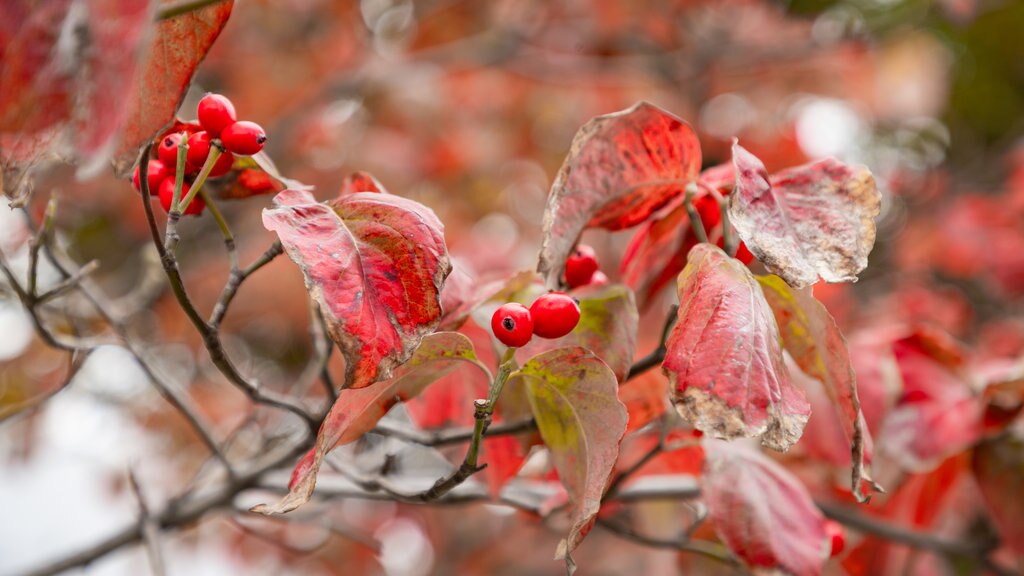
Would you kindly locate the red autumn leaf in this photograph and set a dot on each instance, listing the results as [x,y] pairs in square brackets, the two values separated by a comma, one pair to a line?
[360,182]
[681,454]
[809,221]
[817,346]
[45,89]
[620,169]
[645,397]
[658,250]
[176,48]
[357,411]
[998,466]
[574,399]
[938,414]
[724,361]
[375,264]
[761,511]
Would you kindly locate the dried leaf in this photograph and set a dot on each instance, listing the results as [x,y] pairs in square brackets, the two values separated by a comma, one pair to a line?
[375,263]
[817,346]
[809,221]
[761,511]
[574,399]
[724,361]
[357,411]
[620,169]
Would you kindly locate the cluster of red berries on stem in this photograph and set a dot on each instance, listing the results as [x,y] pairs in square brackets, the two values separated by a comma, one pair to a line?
[208,153]
[581,268]
[553,315]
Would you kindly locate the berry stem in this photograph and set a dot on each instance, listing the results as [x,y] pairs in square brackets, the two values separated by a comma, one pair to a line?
[179,173]
[211,159]
[225,230]
[729,242]
[695,222]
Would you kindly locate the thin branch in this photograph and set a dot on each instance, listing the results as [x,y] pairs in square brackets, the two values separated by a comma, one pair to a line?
[453,436]
[235,281]
[76,360]
[701,547]
[657,356]
[210,334]
[695,221]
[150,530]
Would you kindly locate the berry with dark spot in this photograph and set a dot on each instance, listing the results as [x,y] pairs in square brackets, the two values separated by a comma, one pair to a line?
[512,324]
[243,138]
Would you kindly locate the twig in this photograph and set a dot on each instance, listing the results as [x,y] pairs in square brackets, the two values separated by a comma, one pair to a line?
[701,547]
[657,355]
[695,221]
[149,528]
[75,361]
[235,281]
[729,241]
[209,333]
[454,436]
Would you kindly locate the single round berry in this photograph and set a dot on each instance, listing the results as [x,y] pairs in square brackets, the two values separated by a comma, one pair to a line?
[599,279]
[167,195]
[835,532]
[223,164]
[198,149]
[243,138]
[554,315]
[216,113]
[168,150]
[156,171]
[580,266]
[512,324]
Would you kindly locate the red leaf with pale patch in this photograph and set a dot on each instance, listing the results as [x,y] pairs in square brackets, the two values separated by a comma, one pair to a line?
[574,398]
[375,264]
[357,411]
[620,169]
[761,511]
[809,221]
[724,361]
[817,346]
[999,469]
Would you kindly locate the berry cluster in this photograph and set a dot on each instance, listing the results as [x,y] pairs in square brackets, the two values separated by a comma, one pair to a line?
[211,152]
[581,268]
[553,315]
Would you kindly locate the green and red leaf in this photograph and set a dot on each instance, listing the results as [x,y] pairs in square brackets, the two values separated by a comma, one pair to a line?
[812,338]
[724,360]
[573,395]
[621,168]
[357,411]
[804,222]
[761,511]
[375,264]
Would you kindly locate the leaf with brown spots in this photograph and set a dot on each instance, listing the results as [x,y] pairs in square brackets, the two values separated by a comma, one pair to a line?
[375,264]
[574,398]
[724,361]
[809,221]
[620,169]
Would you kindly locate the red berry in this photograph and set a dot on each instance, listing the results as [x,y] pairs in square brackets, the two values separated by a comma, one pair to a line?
[156,171]
[554,315]
[580,266]
[216,113]
[223,164]
[167,195]
[243,138]
[198,149]
[599,279]
[835,532]
[512,324]
[168,150]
